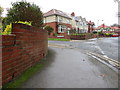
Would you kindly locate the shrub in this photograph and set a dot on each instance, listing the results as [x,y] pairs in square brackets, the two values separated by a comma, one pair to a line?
[108,34]
[55,34]
[80,34]
[49,29]
[100,33]
[94,32]
[8,28]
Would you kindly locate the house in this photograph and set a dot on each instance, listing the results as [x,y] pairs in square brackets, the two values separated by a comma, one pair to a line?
[85,25]
[59,21]
[107,29]
[66,24]
[116,30]
[79,23]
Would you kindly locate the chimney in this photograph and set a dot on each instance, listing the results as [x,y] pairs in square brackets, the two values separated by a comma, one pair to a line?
[72,14]
[103,25]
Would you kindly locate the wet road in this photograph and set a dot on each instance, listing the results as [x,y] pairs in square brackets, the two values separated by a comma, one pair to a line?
[70,68]
[103,46]
[110,47]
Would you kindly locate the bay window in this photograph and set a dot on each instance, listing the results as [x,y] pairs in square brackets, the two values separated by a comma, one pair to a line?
[61,28]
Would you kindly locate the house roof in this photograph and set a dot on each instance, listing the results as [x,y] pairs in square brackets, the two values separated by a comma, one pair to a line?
[115,27]
[78,18]
[104,26]
[56,12]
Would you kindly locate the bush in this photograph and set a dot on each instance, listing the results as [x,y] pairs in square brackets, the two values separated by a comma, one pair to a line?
[8,28]
[94,32]
[80,34]
[100,33]
[55,34]
[108,34]
[49,29]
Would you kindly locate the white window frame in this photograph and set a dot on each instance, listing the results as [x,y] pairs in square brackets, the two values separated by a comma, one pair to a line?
[61,28]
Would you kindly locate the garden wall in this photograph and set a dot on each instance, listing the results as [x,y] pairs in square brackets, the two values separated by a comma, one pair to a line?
[77,37]
[74,37]
[81,37]
[26,46]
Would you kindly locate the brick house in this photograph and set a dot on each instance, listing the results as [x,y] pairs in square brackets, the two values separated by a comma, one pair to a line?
[59,21]
[65,24]
[108,29]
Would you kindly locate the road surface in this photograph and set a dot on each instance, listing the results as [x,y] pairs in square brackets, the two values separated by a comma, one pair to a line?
[70,68]
[103,46]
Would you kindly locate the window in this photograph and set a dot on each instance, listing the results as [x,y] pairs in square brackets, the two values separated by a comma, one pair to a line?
[81,23]
[61,28]
[68,21]
[60,19]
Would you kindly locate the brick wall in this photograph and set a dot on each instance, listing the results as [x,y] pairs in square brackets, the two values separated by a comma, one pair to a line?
[81,37]
[26,46]
[75,37]
[53,25]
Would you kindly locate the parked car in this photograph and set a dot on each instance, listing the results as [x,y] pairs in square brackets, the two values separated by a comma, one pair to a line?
[115,35]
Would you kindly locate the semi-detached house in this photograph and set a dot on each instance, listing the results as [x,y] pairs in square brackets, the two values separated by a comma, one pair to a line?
[58,20]
[79,24]
[63,23]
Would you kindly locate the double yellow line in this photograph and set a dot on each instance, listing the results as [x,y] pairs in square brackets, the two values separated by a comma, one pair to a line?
[114,62]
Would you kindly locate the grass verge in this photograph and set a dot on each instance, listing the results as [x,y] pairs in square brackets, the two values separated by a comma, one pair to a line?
[58,39]
[25,76]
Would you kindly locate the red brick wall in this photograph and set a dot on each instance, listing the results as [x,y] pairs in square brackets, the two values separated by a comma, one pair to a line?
[77,37]
[24,48]
[54,26]
[81,37]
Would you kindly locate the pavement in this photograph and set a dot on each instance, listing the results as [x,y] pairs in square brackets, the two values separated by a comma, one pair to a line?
[71,68]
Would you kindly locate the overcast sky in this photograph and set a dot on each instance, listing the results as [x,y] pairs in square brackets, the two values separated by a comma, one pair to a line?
[93,10]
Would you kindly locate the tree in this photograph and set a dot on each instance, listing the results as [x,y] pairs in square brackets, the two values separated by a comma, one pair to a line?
[1,10]
[49,29]
[24,11]
[115,25]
